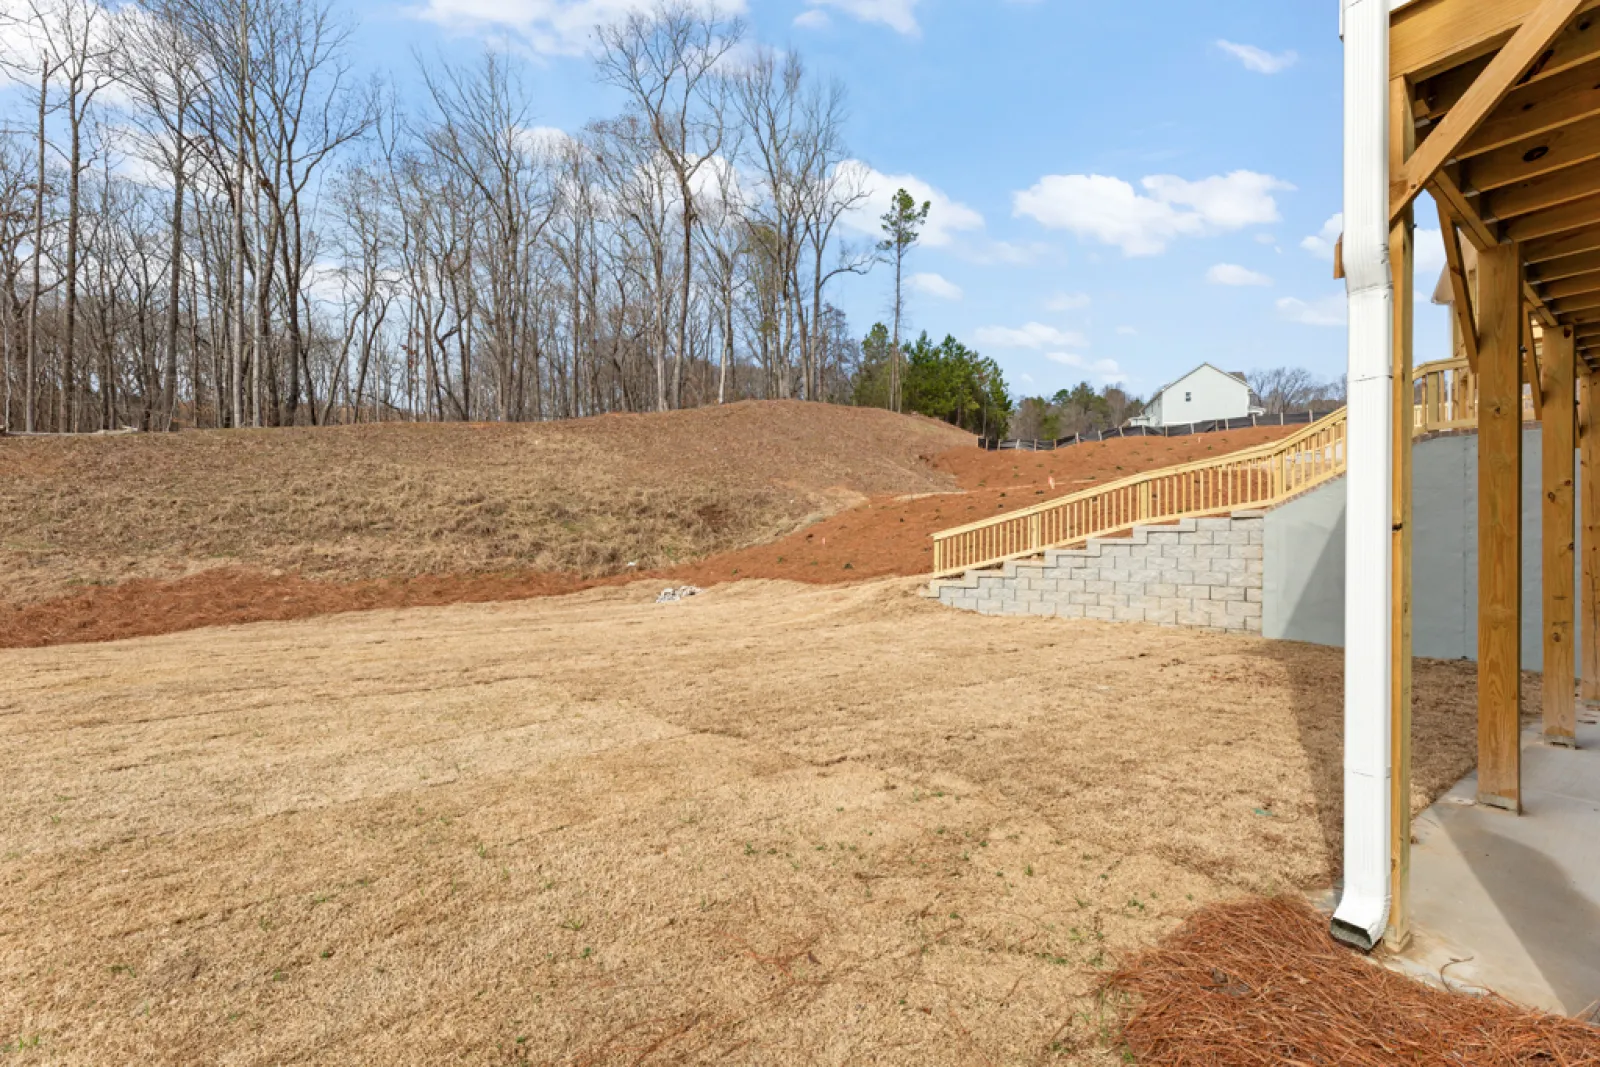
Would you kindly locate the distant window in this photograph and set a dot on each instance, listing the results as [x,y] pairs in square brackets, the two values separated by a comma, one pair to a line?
[1188,398]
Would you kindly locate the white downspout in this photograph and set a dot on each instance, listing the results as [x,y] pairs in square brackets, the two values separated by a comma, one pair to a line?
[1363,911]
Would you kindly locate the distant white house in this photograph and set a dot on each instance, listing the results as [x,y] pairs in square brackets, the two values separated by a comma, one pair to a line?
[1205,394]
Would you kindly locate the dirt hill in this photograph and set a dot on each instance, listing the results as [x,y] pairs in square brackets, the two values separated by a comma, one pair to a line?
[135,535]
[585,498]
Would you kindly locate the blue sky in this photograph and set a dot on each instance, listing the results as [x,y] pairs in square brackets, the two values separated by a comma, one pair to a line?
[1121,190]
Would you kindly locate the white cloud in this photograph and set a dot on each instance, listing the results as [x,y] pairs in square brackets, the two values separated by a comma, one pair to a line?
[814,19]
[1326,311]
[1259,59]
[946,219]
[553,27]
[1430,259]
[1321,244]
[1106,370]
[1068,302]
[1233,274]
[1112,211]
[935,285]
[1035,335]
[898,15]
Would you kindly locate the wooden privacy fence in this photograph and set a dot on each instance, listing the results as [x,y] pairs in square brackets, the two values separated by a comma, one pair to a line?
[1256,477]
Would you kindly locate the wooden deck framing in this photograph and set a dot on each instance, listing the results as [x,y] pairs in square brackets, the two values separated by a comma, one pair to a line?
[1497,115]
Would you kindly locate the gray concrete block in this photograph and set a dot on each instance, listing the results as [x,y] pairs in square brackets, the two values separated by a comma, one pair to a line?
[1229,566]
[1249,551]
[1255,566]
[1195,592]
[1163,537]
[1252,626]
[1162,618]
[1227,593]
[1212,551]
[1067,586]
[1084,599]
[1146,576]
[1178,551]
[1175,603]
[1101,586]
[1199,537]
[1160,589]
[1103,614]
[1244,580]
[1070,611]
[1029,596]
[1113,600]
[1145,603]
[1232,537]
[1243,609]
[1116,574]
[1254,595]
[989,606]
[1194,618]
[1181,577]
[1129,615]
[1258,537]
[1043,609]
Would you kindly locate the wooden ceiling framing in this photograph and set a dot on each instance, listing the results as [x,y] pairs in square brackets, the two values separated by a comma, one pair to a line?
[1506,97]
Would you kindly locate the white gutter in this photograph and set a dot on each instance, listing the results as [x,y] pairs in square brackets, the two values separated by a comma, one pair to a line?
[1363,910]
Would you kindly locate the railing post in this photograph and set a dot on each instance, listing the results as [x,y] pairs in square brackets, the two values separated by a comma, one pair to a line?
[1035,532]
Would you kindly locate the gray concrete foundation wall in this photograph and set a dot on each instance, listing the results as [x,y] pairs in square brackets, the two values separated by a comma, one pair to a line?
[1305,561]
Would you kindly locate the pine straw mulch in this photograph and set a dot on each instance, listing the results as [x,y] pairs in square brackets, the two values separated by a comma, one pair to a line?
[1262,982]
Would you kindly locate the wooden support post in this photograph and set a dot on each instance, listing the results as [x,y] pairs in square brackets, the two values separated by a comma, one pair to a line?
[1589,494]
[1500,313]
[1558,479]
[1402,261]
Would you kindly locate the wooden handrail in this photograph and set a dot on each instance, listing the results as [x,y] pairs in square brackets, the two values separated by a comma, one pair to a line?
[1258,477]
[1255,477]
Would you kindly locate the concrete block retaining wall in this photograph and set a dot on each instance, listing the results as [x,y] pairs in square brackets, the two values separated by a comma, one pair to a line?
[1205,573]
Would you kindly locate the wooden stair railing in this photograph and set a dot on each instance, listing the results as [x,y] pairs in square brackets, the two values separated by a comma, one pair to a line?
[1446,399]
[1254,478]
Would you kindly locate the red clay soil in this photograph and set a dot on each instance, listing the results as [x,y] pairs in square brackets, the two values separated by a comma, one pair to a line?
[885,537]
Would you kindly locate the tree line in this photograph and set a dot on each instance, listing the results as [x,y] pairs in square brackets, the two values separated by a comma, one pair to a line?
[207,218]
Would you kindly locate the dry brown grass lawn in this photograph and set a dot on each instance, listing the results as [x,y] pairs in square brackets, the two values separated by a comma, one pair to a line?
[586,498]
[773,825]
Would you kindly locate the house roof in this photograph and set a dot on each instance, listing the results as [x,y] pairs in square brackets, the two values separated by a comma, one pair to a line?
[1230,374]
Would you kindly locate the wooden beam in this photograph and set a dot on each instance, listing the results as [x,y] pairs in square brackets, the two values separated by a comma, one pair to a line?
[1431,36]
[1461,292]
[1567,267]
[1568,244]
[1538,107]
[1574,216]
[1499,383]
[1539,194]
[1447,192]
[1581,283]
[1589,544]
[1499,78]
[1549,152]
[1579,303]
[1578,44]
[1402,262]
[1530,366]
[1557,445]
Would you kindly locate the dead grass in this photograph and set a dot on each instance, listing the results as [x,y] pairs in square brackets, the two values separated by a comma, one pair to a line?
[136,536]
[773,825]
[584,498]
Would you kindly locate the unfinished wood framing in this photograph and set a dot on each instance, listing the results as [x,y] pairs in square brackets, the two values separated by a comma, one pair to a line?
[1499,526]
[1589,537]
[1402,261]
[1558,478]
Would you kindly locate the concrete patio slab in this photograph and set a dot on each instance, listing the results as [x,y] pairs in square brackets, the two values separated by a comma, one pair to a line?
[1513,904]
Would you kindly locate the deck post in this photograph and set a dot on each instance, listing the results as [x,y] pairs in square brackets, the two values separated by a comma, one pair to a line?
[1558,517]
[1500,313]
[1402,262]
[1589,495]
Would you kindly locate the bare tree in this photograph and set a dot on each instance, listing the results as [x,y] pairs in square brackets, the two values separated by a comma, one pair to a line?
[667,60]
